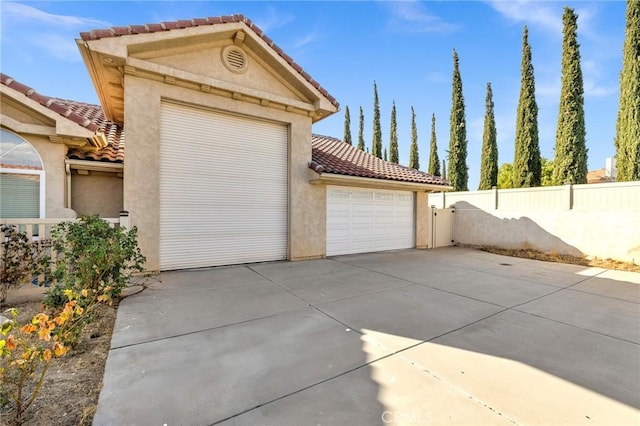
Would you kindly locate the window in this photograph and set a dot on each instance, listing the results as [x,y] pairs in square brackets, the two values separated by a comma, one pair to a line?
[21,178]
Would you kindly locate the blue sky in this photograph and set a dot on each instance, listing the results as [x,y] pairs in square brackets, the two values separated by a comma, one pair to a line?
[406,47]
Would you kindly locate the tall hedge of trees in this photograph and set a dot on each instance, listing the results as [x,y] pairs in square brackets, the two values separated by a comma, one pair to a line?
[627,140]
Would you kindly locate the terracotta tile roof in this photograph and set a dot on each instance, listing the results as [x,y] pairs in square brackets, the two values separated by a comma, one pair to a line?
[335,156]
[114,133]
[86,115]
[48,102]
[599,176]
[175,25]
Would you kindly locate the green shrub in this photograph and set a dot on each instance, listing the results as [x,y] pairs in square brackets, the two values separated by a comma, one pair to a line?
[92,256]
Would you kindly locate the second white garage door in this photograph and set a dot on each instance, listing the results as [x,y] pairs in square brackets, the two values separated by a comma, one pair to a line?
[366,220]
[223,189]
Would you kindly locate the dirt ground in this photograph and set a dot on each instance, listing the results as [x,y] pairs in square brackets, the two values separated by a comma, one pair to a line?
[563,258]
[69,394]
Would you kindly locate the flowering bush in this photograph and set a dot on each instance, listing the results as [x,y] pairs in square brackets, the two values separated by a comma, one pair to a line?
[26,352]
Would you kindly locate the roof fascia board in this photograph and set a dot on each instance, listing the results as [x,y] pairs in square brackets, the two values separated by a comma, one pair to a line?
[97,166]
[96,78]
[344,180]
[64,126]
[27,128]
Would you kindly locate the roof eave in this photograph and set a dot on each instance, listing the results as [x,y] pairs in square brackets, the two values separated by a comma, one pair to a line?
[95,51]
[92,165]
[64,128]
[365,182]
[97,79]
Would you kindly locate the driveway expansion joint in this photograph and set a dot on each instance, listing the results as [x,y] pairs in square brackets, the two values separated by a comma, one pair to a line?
[188,333]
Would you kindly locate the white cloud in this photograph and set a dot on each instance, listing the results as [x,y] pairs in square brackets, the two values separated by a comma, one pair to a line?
[23,12]
[530,12]
[42,34]
[305,40]
[58,45]
[412,16]
[592,79]
[546,14]
[547,90]
[273,20]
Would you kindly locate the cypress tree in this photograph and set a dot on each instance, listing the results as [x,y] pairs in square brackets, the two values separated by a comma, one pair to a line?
[489,159]
[570,162]
[526,162]
[627,141]
[361,131]
[384,156]
[434,161]
[376,145]
[393,137]
[347,127]
[458,172]
[444,170]
[414,156]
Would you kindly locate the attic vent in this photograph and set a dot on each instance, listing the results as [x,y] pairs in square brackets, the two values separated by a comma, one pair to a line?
[234,59]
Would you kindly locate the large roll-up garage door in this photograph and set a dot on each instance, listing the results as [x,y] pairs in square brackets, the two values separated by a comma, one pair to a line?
[223,189]
[366,220]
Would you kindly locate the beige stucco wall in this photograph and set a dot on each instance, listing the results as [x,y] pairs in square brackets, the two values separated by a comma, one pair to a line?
[601,220]
[422,220]
[256,76]
[97,193]
[604,234]
[23,114]
[143,98]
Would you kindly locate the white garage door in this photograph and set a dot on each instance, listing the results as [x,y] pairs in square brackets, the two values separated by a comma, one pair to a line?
[223,189]
[365,220]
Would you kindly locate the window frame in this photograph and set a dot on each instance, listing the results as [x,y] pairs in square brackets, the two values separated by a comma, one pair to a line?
[40,173]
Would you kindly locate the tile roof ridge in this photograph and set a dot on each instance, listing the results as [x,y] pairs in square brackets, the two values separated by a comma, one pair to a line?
[51,103]
[97,34]
[74,102]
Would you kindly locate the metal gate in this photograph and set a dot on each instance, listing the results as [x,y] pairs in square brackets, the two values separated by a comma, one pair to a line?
[442,227]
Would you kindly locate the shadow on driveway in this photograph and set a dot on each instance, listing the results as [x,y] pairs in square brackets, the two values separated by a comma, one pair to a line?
[448,336]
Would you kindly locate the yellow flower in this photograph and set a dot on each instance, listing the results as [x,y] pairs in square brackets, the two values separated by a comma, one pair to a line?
[47,355]
[84,292]
[44,334]
[41,317]
[59,349]
[79,310]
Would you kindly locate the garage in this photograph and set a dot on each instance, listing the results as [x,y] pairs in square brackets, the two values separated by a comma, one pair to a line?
[363,220]
[223,188]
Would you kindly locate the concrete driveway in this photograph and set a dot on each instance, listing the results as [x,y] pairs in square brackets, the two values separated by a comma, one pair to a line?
[447,336]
